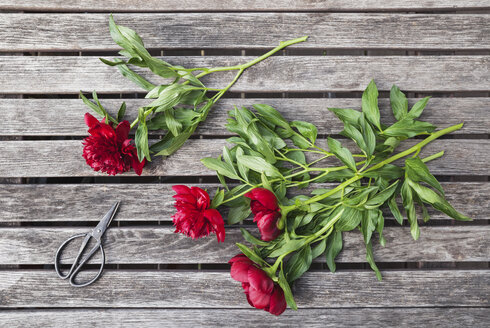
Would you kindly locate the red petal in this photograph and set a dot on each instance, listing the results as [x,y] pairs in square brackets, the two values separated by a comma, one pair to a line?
[239,271]
[217,223]
[181,189]
[259,280]
[277,301]
[240,258]
[137,165]
[201,196]
[264,197]
[122,131]
[90,120]
[267,225]
[259,299]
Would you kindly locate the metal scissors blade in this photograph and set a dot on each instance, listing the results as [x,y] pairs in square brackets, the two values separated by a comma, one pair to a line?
[100,229]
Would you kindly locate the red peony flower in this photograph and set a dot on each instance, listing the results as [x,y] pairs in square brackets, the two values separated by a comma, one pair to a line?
[194,218]
[109,150]
[261,291]
[266,212]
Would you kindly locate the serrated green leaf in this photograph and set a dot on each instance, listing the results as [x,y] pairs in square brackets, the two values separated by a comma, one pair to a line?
[259,164]
[334,246]
[417,171]
[399,103]
[418,108]
[342,153]
[370,104]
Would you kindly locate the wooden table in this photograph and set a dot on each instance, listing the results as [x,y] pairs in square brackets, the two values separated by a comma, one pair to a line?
[49,51]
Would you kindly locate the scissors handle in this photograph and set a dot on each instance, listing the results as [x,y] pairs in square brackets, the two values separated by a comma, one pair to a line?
[78,264]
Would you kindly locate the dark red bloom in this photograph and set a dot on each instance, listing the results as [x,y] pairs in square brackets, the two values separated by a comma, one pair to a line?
[194,218]
[266,212]
[109,150]
[261,291]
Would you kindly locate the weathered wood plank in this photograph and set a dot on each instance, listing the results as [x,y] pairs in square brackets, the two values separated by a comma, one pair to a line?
[69,202]
[63,158]
[64,117]
[55,75]
[238,5]
[144,245]
[178,289]
[244,318]
[20,32]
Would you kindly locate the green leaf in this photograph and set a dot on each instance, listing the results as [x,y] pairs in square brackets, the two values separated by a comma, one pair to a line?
[169,144]
[221,167]
[239,213]
[399,103]
[306,129]
[368,136]
[241,168]
[395,210]
[155,92]
[350,116]
[418,108]
[288,295]
[141,137]
[382,196]
[379,228]
[319,248]
[272,115]
[417,171]
[134,77]
[353,133]
[388,172]
[370,104]
[251,254]
[350,219]
[334,246]
[300,141]
[94,107]
[298,264]
[408,128]
[408,203]
[228,159]
[429,196]
[174,126]
[369,221]
[121,112]
[218,198]
[251,239]
[260,165]
[370,260]
[342,153]
[288,247]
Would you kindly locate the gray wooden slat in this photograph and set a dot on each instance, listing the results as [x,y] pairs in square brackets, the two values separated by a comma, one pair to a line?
[204,289]
[64,117]
[20,32]
[153,245]
[63,158]
[238,5]
[244,318]
[69,202]
[57,74]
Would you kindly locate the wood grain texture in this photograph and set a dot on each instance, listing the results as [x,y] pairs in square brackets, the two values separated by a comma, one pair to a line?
[57,75]
[237,5]
[20,32]
[63,158]
[154,245]
[69,202]
[205,289]
[64,117]
[245,318]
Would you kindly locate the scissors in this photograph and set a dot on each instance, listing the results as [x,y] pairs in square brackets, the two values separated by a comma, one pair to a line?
[77,265]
